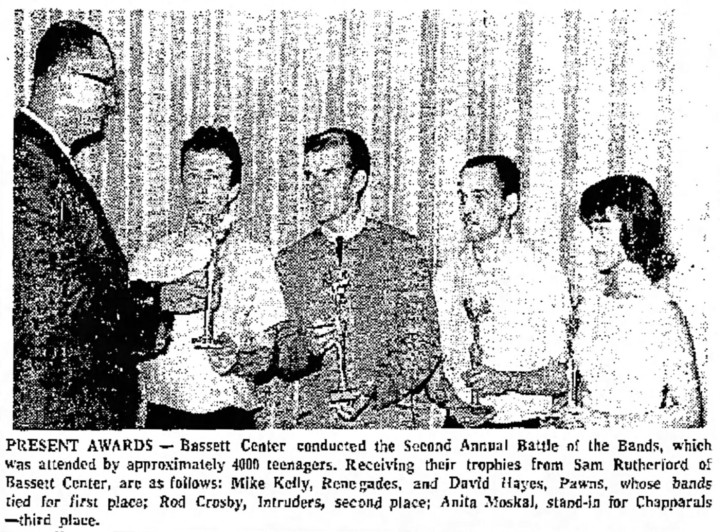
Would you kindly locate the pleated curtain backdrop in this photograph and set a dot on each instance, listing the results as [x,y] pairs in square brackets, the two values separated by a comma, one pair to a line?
[572,96]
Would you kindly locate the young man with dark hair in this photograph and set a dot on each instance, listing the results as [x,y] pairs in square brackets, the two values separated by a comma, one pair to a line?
[207,139]
[362,336]
[503,311]
[77,322]
[219,344]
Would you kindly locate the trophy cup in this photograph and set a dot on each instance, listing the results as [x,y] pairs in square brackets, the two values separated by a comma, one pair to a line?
[344,392]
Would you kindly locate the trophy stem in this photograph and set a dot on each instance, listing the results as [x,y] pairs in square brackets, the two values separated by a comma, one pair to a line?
[475,362]
[208,324]
[207,340]
[342,362]
[573,400]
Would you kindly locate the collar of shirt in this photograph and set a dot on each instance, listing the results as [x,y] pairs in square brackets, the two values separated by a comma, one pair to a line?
[47,127]
[505,258]
[355,227]
[218,233]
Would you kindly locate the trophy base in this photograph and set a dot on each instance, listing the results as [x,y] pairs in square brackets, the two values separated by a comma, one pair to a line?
[205,343]
[344,396]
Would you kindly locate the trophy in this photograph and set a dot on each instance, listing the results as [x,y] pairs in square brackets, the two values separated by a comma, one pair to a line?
[344,392]
[474,314]
[208,340]
[573,392]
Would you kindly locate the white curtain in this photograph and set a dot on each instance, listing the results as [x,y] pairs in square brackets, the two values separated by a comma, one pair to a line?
[572,96]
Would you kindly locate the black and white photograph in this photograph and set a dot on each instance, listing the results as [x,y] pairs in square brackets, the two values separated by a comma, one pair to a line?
[356,220]
[346,217]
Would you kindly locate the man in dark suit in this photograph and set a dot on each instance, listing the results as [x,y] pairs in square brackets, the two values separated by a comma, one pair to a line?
[75,318]
[363,339]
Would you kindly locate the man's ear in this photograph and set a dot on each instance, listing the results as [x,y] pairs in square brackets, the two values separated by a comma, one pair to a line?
[512,203]
[360,181]
[233,193]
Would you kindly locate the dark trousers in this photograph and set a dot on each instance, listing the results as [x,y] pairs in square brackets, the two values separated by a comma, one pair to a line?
[165,417]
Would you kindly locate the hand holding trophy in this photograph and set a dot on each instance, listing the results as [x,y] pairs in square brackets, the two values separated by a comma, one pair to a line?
[482,380]
[574,415]
[222,354]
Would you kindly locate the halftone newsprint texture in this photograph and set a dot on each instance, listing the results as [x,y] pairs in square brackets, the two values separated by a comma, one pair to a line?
[292,219]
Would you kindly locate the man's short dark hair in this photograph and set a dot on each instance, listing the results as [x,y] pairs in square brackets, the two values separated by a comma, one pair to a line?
[508,172]
[643,223]
[209,138]
[62,39]
[359,153]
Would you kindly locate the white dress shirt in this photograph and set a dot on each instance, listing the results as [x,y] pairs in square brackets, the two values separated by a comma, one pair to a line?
[523,304]
[250,302]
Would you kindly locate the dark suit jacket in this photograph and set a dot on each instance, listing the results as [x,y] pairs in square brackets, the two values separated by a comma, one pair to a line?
[393,335]
[74,319]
